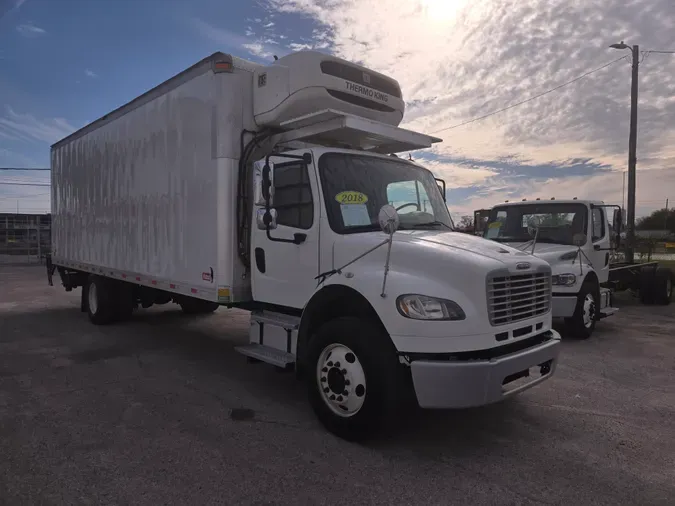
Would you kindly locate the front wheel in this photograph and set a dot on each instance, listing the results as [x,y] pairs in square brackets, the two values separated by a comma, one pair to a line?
[582,323]
[353,377]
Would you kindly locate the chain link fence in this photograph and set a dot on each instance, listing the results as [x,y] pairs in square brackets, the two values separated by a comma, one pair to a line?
[25,239]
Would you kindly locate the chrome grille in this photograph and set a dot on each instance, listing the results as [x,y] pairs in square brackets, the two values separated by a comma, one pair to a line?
[516,297]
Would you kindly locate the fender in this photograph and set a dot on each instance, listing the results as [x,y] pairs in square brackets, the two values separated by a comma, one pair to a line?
[329,302]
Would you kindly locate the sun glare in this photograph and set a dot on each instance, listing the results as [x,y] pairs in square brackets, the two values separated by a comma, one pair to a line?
[441,11]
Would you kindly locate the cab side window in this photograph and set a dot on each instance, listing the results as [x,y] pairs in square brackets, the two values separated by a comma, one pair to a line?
[293,195]
[598,229]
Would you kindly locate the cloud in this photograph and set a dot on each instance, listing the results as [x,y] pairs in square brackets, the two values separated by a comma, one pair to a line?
[26,127]
[90,73]
[262,47]
[460,59]
[30,30]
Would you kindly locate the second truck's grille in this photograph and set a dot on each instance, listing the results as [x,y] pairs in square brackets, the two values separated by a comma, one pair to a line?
[517,297]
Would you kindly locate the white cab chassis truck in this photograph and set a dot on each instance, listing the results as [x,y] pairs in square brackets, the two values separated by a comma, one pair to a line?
[575,237]
[270,188]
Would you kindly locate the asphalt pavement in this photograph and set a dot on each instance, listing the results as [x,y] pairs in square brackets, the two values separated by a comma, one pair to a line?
[162,410]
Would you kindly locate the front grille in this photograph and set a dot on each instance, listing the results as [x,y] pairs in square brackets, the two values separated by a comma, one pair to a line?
[512,298]
[337,69]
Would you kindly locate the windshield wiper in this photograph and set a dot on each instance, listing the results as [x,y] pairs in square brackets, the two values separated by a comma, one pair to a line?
[426,224]
[363,228]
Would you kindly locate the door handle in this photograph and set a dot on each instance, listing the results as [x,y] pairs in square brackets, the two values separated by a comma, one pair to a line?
[596,247]
[299,238]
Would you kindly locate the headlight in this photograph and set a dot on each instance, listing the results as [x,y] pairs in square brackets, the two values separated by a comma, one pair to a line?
[421,307]
[564,279]
[570,255]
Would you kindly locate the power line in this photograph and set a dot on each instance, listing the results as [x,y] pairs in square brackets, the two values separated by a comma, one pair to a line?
[25,184]
[532,98]
[19,168]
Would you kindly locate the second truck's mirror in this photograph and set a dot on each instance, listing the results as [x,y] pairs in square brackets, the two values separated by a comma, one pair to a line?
[266,220]
[617,221]
[388,219]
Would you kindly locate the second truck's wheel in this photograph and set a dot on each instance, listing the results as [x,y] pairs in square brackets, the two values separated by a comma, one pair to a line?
[646,284]
[582,323]
[352,377]
[662,287]
[100,305]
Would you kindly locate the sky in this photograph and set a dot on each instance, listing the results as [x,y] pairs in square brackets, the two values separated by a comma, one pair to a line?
[65,63]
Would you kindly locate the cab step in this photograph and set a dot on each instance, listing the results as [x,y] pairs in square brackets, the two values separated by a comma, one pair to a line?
[267,354]
[607,311]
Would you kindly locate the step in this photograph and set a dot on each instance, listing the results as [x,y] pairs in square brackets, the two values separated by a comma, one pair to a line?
[266,354]
[607,311]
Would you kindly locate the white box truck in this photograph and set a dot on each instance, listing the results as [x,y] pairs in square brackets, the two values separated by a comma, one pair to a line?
[270,188]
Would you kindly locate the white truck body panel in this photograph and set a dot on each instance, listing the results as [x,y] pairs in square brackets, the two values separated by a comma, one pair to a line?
[149,191]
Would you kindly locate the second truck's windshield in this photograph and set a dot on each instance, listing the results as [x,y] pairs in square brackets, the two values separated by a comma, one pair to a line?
[355,187]
[557,223]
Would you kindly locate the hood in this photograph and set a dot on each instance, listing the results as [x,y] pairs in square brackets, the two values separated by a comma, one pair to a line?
[546,251]
[464,242]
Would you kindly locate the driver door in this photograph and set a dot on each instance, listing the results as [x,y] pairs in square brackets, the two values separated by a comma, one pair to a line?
[600,241]
[283,272]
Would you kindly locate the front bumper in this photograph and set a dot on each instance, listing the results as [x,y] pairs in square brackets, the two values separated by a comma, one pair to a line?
[469,383]
[564,305]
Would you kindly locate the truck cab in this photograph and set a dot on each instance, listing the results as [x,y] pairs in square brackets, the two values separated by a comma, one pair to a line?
[576,239]
[367,287]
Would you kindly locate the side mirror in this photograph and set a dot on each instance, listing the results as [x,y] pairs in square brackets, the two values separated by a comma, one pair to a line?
[579,240]
[263,184]
[266,220]
[388,219]
[617,221]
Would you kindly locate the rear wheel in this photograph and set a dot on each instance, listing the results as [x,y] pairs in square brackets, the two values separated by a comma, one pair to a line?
[662,287]
[647,285]
[353,379]
[582,323]
[99,301]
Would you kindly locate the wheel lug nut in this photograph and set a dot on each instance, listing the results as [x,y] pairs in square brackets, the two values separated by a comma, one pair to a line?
[337,364]
[345,393]
[332,397]
[325,369]
[326,390]
[329,364]
[344,371]
[323,380]
[347,382]
[339,399]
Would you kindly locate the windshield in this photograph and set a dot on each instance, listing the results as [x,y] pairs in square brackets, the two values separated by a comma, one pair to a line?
[355,187]
[557,222]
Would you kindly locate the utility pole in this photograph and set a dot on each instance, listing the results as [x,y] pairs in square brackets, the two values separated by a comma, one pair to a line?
[632,146]
[665,218]
[632,156]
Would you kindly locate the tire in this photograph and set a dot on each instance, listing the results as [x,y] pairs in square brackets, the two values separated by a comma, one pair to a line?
[647,285]
[582,324]
[123,300]
[191,305]
[353,378]
[99,300]
[662,287]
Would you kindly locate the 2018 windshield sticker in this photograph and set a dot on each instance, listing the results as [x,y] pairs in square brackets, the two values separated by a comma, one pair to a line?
[493,229]
[351,198]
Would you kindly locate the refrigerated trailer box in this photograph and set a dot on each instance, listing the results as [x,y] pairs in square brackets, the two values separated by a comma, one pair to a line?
[268,187]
